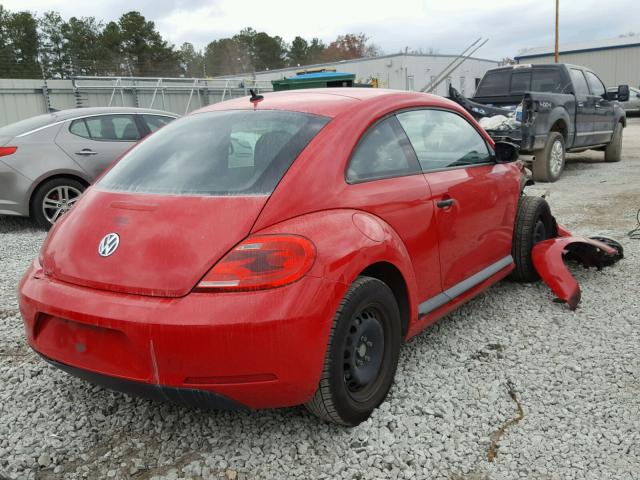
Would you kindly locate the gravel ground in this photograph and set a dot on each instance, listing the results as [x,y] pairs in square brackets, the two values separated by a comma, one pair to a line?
[569,380]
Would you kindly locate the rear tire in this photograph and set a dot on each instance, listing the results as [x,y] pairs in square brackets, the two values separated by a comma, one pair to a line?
[45,209]
[362,354]
[549,161]
[613,152]
[533,224]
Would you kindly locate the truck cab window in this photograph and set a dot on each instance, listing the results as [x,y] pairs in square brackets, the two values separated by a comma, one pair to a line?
[494,83]
[579,82]
[596,86]
[520,82]
[547,80]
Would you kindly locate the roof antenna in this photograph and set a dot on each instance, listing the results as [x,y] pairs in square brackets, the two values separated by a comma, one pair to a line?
[254,96]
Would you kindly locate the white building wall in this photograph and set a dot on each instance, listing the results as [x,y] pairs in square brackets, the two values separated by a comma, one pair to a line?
[614,66]
[401,72]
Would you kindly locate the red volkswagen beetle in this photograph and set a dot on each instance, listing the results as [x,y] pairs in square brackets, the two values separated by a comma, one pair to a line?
[272,252]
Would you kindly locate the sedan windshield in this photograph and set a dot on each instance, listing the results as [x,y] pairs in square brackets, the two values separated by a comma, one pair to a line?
[236,152]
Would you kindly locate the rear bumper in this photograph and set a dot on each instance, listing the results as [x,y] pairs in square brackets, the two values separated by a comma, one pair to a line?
[260,349]
[14,189]
[184,396]
[530,143]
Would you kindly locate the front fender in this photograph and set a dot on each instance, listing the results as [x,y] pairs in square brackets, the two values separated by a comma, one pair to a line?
[347,242]
[548,259]
[620,115]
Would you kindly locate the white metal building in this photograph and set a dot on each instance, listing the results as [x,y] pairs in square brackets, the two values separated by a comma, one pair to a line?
[398,71]
[616,60]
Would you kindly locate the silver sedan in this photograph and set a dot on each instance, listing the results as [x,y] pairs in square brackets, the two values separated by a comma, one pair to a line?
[633,104]
[47,161]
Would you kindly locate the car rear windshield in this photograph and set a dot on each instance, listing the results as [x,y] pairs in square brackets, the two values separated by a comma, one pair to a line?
[235,152]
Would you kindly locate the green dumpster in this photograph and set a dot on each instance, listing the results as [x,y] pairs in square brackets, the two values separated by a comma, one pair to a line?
[315,80]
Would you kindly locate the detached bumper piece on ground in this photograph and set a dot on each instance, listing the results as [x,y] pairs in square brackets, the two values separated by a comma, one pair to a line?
[549,258]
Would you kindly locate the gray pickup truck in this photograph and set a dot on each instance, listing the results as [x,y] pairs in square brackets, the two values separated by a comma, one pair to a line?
[564,108]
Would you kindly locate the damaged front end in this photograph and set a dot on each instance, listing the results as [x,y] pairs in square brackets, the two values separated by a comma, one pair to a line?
[549,258]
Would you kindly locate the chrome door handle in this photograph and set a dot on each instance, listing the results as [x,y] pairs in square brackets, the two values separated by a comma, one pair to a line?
[597,105]
[86,152]
[581,104]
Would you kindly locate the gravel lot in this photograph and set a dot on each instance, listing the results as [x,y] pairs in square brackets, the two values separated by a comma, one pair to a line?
[575,376]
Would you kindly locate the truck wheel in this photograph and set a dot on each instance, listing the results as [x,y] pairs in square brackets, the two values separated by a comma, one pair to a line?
[533,224]
[613,152]
[549,161]
[362,354]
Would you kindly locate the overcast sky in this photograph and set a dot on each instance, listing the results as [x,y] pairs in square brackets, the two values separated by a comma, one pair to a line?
[446,25]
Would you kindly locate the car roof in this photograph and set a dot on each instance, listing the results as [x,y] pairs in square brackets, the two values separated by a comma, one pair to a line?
[85,111]
[328,102]
[45,120]
[536,66]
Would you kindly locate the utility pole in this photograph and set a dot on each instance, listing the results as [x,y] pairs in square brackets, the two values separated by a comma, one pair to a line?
[557,15]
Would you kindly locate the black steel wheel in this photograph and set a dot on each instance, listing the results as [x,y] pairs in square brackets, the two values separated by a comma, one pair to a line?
[362,354]
[533,224]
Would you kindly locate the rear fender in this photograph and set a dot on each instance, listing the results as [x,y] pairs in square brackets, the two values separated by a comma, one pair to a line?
[347,242]
[548,259]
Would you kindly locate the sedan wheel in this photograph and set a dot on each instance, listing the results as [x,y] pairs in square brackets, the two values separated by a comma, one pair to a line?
[53,199]
[59,201]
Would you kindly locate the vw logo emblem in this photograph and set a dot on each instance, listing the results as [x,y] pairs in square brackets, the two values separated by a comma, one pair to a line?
[108,244]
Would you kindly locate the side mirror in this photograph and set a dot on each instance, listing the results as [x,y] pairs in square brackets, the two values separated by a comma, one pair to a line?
[623,93]
[506,152]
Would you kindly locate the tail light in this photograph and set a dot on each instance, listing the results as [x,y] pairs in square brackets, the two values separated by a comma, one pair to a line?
[4,151]
[260,262]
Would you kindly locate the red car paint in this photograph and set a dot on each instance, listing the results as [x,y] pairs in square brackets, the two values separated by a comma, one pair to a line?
[135,315]
[547,257]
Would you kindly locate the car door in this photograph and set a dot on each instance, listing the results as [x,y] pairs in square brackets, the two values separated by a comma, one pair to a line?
[385,180]
[585,109]
[474,198]
[94,142]
[603,110]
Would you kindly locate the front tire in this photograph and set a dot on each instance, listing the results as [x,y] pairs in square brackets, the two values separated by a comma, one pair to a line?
[613,152]
[549,161]
[53,199]
[362,354]
[533,224]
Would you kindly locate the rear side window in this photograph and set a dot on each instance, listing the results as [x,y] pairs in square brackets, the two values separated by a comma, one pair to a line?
[113,128]
[548,80]
[443,139]
[383,152]
[494,83]
[79,128]
[154,122]
[579,82]
[237,152]
[596,86]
